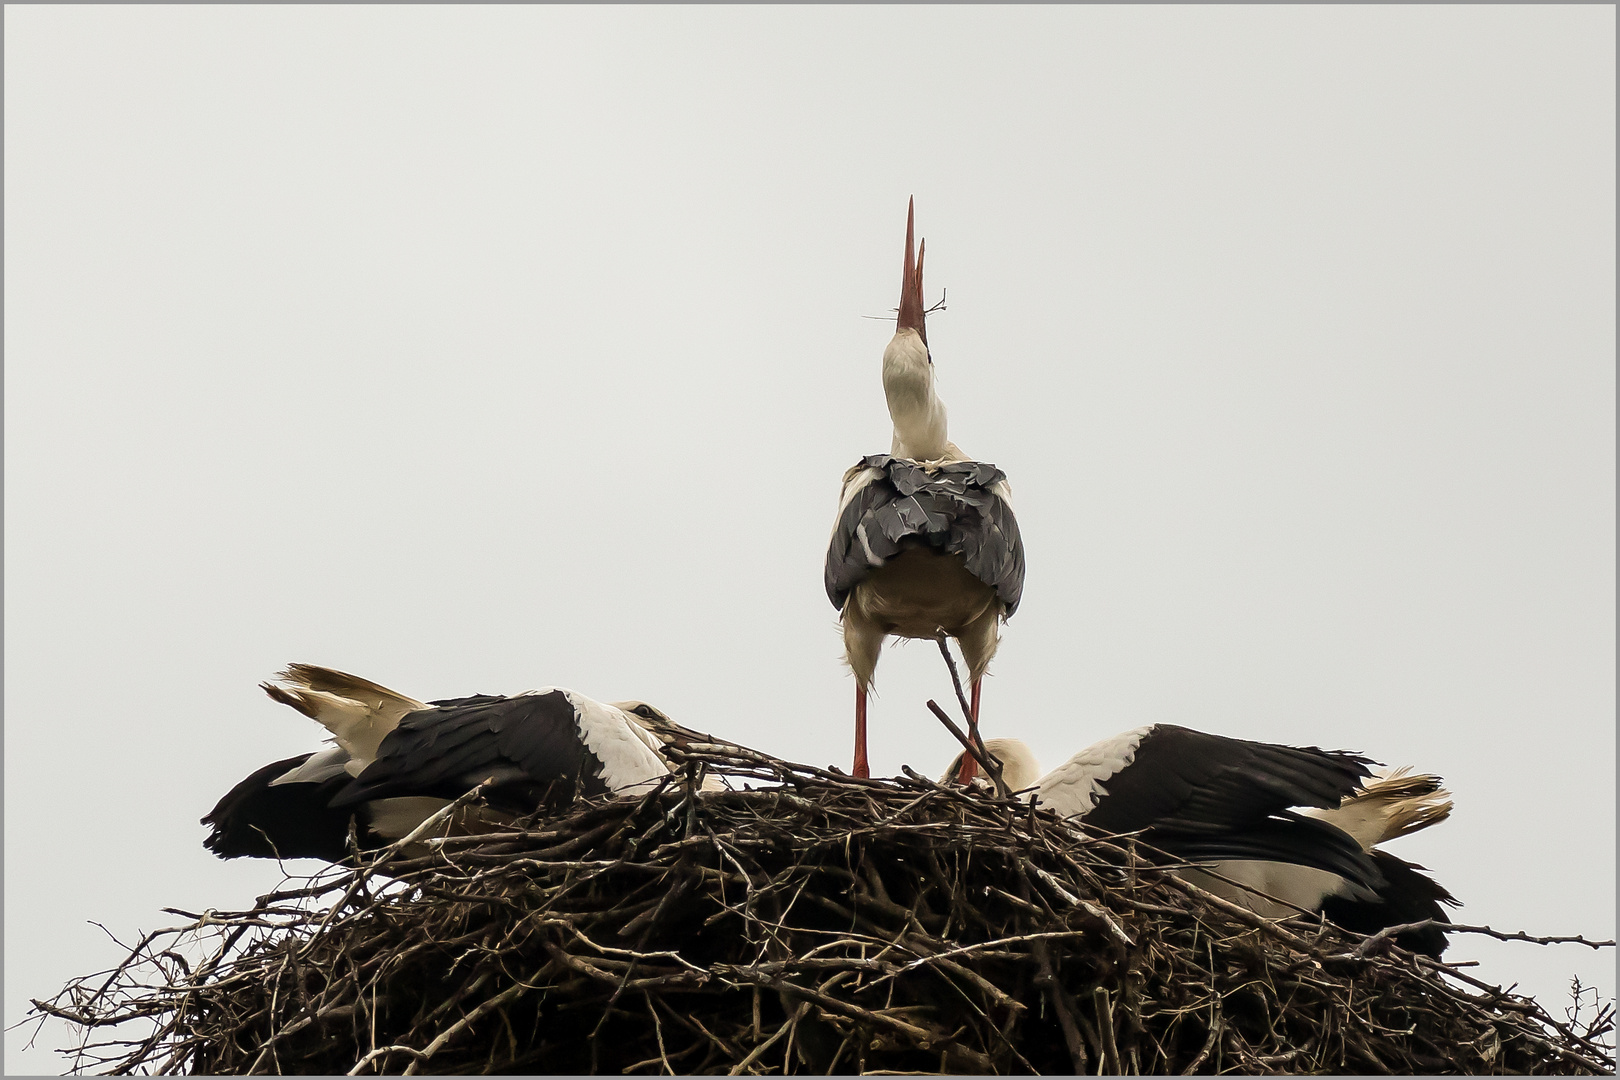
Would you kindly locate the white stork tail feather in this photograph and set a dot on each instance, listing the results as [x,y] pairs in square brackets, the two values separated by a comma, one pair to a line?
[1392,804]
[358,712]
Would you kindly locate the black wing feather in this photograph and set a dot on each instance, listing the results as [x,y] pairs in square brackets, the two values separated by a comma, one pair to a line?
[1288,838]
[1204,798]
[290,821]
[1406,897]
[950,508]
[444,752]
[474,699]
[1189,781]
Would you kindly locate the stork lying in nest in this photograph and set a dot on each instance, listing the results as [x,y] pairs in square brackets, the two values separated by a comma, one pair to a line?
[1279,829]
[396,761]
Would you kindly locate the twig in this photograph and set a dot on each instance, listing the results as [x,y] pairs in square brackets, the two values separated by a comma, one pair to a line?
[381,1051]
[956,684]
[754,1054]
[1105,1028]
[986,761]
[1374,940]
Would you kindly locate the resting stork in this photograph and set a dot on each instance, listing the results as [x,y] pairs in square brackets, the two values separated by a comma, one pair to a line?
[396,761]
[1230,805]
[925,541]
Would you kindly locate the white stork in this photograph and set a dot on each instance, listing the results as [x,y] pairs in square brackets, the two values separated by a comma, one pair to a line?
[1297,824]
[395,761]
[925,540]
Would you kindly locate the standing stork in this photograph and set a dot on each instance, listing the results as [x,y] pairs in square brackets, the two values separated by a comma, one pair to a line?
[925,542]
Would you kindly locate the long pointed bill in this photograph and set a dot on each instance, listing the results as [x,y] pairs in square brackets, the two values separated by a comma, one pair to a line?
[911,291]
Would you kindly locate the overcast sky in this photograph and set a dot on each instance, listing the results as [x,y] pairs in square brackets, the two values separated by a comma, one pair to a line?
[480,349]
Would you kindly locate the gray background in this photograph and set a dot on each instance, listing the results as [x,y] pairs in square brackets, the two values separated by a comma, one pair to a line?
[478,350]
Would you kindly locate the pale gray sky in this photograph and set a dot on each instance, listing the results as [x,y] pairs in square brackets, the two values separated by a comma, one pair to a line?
[477,349]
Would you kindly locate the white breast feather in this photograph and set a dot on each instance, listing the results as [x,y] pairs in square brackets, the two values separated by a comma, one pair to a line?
[1074,787]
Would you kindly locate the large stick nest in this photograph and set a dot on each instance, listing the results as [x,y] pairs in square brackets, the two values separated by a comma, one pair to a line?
[810,923]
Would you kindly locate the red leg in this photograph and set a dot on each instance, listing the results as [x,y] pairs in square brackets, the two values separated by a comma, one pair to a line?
[970,767]
[861,767]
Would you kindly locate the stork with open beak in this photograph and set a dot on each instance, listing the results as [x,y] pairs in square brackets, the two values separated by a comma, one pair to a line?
[925,541]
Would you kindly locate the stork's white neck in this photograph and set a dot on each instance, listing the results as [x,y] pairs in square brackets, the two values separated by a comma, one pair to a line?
[917,412]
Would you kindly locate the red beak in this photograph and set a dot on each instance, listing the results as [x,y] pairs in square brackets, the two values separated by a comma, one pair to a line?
[911,291]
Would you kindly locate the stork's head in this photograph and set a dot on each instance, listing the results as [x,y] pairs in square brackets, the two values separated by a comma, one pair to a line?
[656,723]
[1019,768]
[650,718]
[911,289]
[908,370]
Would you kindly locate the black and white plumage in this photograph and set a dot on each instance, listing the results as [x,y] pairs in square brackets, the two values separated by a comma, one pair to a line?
[925,541]
[525,746]
[1394,803]
[396,761]
[1208,798]
[1297,824]
[1407,896]
[959,509]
